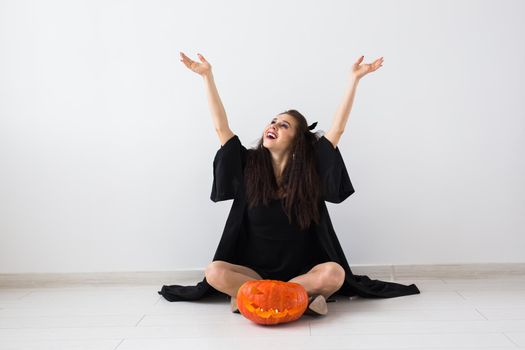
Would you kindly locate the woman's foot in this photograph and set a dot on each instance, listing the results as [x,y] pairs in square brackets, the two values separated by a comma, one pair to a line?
[233,305]
[316,306]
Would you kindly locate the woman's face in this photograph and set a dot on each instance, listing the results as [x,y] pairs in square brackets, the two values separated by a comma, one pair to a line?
[279,134]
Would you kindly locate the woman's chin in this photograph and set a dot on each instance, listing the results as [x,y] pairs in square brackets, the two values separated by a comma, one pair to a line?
[268,143]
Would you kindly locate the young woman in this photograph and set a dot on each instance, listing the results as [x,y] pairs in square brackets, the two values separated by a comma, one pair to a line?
[279,227]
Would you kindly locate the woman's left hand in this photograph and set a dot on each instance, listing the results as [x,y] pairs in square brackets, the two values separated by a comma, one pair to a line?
[360,70]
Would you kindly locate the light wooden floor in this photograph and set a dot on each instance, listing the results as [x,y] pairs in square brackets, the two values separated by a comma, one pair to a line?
[448,314]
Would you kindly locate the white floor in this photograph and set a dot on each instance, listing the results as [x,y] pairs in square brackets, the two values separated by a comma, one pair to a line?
[448,314]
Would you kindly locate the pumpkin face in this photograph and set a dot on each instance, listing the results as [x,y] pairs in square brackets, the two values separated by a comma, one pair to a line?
[270,302]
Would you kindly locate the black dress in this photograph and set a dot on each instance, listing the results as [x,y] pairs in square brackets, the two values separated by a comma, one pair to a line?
[228,169]
[274,247]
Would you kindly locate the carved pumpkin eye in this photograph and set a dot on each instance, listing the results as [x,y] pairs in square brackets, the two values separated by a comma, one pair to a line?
[256,290]
[270,302]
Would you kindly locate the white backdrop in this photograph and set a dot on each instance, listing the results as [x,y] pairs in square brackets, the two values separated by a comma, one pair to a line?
[106,140]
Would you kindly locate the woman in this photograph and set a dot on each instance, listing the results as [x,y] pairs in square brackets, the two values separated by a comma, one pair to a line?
[279,227]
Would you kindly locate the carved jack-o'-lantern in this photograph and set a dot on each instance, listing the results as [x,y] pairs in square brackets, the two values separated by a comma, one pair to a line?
[270,302]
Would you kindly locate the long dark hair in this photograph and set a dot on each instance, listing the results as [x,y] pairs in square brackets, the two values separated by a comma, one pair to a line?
[299,180]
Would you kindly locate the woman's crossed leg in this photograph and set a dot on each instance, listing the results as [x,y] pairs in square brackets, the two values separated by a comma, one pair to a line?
[325,278]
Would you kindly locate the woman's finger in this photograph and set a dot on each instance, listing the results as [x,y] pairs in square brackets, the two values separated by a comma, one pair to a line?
[201,57]
[183,55]
[187,61]
[188,64]
[186,58]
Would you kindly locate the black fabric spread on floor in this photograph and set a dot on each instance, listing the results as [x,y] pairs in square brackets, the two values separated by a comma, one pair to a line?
[228,167]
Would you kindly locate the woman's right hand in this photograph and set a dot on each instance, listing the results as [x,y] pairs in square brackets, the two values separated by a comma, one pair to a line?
[202,68]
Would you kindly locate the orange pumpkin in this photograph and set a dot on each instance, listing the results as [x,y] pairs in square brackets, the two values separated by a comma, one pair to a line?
[270,302]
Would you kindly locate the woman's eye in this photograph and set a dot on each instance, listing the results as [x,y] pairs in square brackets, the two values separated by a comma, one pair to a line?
[272,122]
[285,126]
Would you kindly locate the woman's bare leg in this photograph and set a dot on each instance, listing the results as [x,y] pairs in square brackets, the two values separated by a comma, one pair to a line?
[324,279]
[227,277]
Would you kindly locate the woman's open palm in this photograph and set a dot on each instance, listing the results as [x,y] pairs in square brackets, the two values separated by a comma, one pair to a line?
[204,67]
[360,70]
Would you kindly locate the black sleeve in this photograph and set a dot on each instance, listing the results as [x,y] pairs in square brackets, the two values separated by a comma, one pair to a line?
[335,182]
[228,167]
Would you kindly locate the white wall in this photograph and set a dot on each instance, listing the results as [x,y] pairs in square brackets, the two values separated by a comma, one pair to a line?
[106,142]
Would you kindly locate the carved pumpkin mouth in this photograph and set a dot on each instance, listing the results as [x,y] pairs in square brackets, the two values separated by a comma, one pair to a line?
[259,311]
[271,312]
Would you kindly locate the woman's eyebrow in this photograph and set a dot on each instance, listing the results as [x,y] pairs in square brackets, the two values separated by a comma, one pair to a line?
[284,121]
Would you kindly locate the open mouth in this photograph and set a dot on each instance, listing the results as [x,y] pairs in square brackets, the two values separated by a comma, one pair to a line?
[271,135]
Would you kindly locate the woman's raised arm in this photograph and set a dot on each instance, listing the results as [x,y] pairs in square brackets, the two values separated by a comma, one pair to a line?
[341,116]
[220,120]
